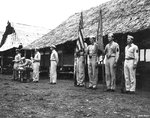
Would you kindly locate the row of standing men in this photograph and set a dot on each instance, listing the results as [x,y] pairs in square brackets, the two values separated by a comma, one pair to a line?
[110,58]
[111,54]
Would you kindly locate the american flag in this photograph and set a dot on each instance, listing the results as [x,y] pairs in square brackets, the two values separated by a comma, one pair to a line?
[80,41]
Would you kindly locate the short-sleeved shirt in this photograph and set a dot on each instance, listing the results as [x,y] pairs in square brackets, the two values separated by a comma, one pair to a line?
[37,57]
[54,56]
[131,52]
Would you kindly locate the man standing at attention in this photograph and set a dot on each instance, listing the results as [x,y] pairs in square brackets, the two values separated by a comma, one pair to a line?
[92,51]
[53,65]
[36,65]
[130,64]
[111,56]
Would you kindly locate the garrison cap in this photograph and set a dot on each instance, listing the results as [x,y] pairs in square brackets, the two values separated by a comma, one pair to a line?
[53,46]
[130,37]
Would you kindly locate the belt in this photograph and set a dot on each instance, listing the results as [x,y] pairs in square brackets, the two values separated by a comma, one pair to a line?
[129,58]
[53,60]
[112,56]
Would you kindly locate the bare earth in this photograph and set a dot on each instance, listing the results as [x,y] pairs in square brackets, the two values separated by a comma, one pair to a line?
[63,100]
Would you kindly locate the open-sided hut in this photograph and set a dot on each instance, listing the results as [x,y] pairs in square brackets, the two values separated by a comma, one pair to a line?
[121,17]
[16,34]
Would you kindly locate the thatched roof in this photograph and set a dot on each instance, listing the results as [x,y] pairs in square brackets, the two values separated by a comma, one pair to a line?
[119,16]
[25,34]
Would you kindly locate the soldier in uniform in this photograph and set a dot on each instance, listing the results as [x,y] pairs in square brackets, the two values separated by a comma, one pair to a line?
[16,64]
[53,65]
[36,65]
[130,64]
[92,51]
[111,58]
[80,66]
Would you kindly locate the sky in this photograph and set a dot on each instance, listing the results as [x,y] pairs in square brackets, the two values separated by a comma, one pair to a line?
[43,13]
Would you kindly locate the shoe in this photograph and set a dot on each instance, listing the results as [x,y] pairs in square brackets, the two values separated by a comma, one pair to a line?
[127,92]
[90,87]
[94,88]
[35,81]
[112,90]
[81,85]
[132,92]
[52,83]
[107,90]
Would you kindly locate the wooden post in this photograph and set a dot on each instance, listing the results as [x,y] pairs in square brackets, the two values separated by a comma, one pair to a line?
[2,62]
[100,42]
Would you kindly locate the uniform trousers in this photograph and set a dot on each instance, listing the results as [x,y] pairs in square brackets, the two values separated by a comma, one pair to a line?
[110,72]
[129,73]
[93,71]
[53,72]
[36,66]
[80,70]
[15,71]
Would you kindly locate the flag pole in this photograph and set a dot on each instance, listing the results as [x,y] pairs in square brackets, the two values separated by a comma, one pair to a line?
[100,42]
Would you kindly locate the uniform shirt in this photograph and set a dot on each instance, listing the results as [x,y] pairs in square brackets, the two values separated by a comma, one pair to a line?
[92,50]
[37,57]
[54,56]
[131,52]
[17,58]
[112,50]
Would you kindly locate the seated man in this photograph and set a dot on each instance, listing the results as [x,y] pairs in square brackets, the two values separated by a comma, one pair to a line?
[27,66]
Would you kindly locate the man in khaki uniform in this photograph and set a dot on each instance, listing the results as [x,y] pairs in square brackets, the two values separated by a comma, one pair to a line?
[36,65]
[130,64]
[92,51]
[111,58]
[53,65]
[80,66]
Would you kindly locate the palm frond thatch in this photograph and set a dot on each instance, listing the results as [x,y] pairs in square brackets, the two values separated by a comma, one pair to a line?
[119,16]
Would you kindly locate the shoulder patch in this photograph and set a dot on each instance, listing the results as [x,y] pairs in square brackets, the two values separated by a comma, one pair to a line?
[137,51]
[117,50]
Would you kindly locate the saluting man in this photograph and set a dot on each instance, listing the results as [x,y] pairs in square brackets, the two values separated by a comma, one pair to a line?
[130,64]
[53,65]
[111,56]
[92,51]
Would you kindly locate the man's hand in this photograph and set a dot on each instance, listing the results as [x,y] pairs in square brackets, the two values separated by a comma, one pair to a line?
[115,65]
[134,66]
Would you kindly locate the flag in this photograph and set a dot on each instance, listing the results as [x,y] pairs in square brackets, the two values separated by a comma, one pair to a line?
[80,40]
[100,32]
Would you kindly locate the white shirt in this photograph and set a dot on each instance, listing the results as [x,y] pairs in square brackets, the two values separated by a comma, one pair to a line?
[132,52]
[37,57]
[54,56]
[112,49]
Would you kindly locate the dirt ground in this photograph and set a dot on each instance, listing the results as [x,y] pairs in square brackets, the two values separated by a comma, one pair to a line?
[63,100]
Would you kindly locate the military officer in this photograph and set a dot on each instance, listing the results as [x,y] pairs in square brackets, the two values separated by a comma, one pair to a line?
[111,58]
[92,51]
[80,66]
[130,64]
[36,65]
[53,65]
